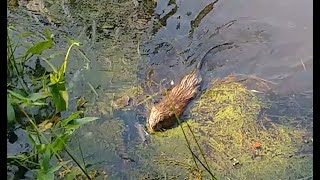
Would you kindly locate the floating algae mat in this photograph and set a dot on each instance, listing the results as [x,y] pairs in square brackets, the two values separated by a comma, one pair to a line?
[238,143]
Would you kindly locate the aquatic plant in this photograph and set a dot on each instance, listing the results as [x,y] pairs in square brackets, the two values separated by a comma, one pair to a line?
[48,134]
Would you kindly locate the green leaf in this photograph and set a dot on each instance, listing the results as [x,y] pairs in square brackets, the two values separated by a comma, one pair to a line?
[45,161]
[53,79]
[72,175]
[49,174]
[73,116]
[39,47]
[59,143]
[70,128]
[41,175]
[65,96]
[49,36]
[54,169]
[38,104]
[75,124]
[11,117]
[17,157]
[28,101]
[38,96]
[62,69]
[59,96]
[33,139]
[17,95]
[84,120]
[41,148]
[15,101]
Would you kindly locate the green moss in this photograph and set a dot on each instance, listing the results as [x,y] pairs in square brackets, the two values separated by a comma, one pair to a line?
[276,168]
[166,156]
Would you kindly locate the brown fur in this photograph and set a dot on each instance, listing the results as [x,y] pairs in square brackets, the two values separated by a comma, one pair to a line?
[163,114]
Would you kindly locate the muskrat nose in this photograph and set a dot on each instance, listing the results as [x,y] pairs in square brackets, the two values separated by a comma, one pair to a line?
[153,127]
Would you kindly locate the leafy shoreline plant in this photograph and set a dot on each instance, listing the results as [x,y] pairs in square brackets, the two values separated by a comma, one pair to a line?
[50,136]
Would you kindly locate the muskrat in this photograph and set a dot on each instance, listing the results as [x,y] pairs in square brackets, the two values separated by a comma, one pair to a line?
[163,115]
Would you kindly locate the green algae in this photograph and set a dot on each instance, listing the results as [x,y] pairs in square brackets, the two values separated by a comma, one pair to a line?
[227,125]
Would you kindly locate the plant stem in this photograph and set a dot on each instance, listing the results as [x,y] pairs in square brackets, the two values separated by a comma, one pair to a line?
[201,151]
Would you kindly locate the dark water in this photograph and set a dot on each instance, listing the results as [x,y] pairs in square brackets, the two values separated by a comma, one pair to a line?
[272,40]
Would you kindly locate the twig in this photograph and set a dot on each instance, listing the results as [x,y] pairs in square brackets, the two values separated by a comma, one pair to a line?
[83,161]
[95,92]
[82,32]
[256,78]
[304,67]
[82,53]
[148,98]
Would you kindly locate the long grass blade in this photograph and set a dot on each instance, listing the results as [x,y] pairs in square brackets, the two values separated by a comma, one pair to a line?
[213,177]
[188,143]
[201,151]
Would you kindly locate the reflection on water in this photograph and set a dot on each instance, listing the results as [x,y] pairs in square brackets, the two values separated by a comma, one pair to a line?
[272,40]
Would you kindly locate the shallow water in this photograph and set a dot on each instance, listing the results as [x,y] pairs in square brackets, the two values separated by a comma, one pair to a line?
[272,40]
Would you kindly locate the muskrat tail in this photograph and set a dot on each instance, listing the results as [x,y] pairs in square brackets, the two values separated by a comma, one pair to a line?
[199,65]
[198,68]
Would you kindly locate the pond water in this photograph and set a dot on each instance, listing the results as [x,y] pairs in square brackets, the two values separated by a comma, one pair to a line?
[124,41]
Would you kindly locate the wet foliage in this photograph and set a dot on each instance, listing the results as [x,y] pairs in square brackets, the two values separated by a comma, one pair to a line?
[27,95]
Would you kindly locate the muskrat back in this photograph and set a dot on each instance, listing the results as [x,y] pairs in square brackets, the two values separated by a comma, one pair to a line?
[163,114]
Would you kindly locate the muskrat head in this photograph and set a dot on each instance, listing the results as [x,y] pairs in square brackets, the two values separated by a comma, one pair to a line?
[154,119]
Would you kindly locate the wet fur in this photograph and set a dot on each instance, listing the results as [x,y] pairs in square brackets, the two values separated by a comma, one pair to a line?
[162,115]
